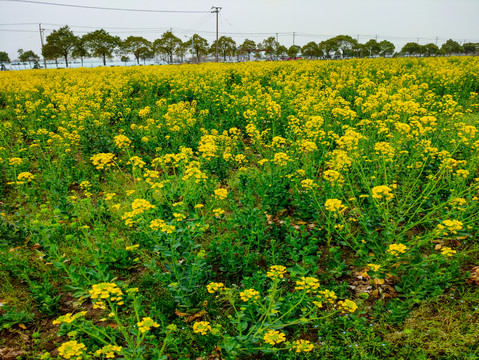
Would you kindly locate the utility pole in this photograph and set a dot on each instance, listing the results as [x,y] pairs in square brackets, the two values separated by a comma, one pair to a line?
[216,9]
[436,40]
[277,37]
[41,40]
[294,35]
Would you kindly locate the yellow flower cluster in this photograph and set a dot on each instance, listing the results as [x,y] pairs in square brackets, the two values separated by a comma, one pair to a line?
[276,272]
[302,346]
[325,295]
[193,171]
[274,337]
[109,291]
[384,149]
[334,205]
[108,351]
[136,162]
[214,287]
[249,294]
[68,318]
[397,249]
[146,324]
[139,206]
[122,141]
[103,160]
[374,267]
[217,212]
[15,161]
[221,194]
[71,350]
[156,224]
[449,227]
[308,184]
[347,306]
[333,177]
[179,216]
[307,284]
[447,251]
[202,327]
[25,176]
[281,159]
[382,192]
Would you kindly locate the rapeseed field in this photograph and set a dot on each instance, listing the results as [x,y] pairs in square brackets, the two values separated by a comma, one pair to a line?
[277,210]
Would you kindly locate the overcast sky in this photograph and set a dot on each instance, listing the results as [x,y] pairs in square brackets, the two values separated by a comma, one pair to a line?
[398,21]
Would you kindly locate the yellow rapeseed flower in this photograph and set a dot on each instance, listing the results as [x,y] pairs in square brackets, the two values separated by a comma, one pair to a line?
[382,192]
[397,249]
[71,350]
[334,205]
[25,176]
[146,324]
[276,272]
[249,294]
[274,337]
[307,284]
[302,346]
[214,287]
[221,194]
[202,327]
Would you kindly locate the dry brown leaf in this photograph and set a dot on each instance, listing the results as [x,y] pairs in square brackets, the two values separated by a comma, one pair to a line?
[195,316]
[474,277]
[180,314]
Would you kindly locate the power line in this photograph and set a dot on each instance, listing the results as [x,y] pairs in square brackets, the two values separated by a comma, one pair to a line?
[15,24]
[10,30]
[107,8]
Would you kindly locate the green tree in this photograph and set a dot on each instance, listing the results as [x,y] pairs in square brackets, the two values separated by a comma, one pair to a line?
[330,48]
[4,57]
[124,59]
[452,47]
[101,44]
[431,49]
[28,56]
[412,49]
[293,51]
[226,46]
[167,44]
[372,48]
[386,48]
[269,46]
[63,40]
[281,51]
[50,52]
[346,45]
[248,46]
[312,50]
[147,54]
[181,50]
[470,48]
[135,45]
[198,45]
[80,50]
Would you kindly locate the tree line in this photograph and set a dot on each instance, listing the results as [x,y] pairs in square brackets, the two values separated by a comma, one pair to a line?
[64,44]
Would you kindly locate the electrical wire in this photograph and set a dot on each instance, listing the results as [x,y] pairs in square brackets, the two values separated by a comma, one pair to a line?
[107,8]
